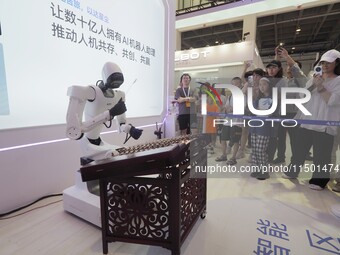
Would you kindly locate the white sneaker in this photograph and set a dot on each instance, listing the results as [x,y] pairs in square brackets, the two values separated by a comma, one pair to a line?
[240,154]
[336,187]
[315,187]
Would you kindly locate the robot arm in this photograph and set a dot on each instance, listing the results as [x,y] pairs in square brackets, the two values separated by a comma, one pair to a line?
[98,104]
[78,97]
[121,122]
[76,127]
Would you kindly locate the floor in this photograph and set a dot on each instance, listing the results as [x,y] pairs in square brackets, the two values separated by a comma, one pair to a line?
[244,216]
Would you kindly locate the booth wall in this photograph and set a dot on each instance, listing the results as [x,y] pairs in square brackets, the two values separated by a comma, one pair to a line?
[35,171]
[39,161]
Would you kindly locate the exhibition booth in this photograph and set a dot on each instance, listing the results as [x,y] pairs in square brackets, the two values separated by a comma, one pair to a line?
[58,44]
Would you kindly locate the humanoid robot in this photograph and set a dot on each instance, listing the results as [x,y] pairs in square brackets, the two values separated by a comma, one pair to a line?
[100,104]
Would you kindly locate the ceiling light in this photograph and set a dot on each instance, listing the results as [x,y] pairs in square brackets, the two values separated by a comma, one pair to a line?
[293,48]
[216,41]
[298,29]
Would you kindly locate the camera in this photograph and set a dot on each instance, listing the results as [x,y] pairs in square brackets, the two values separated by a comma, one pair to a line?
[318,70]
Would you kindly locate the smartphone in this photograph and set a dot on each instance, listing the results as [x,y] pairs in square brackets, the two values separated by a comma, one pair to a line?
[318,70]
[250,80]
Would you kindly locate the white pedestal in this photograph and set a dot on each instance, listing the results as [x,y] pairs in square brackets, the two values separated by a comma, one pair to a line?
[80,202]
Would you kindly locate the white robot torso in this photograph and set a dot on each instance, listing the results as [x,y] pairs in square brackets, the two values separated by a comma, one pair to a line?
[100,104]
[96,103]
[93,108]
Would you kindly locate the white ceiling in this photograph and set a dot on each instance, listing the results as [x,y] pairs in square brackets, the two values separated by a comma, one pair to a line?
[236,11]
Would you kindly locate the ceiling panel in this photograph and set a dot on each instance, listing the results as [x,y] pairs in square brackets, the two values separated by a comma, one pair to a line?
[320,31]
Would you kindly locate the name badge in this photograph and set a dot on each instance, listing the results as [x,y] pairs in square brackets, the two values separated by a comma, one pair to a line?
[187,104]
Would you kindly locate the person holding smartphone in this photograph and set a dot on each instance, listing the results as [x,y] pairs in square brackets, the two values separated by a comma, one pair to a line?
[324,105]
[296,78]
[275,71]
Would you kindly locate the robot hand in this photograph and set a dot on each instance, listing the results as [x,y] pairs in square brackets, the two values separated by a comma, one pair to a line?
[135,132]
[118,109]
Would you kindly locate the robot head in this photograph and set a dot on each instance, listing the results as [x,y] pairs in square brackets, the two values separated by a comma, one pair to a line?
[112,75]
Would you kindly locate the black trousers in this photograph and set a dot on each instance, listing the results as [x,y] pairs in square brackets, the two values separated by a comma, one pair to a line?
[271,148]
[293,133]
[322,149]
[279,144]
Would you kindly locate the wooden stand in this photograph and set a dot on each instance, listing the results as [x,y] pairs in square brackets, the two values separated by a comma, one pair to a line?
[157,204]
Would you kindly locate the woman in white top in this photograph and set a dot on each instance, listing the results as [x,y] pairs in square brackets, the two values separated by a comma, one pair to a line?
[324,105]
